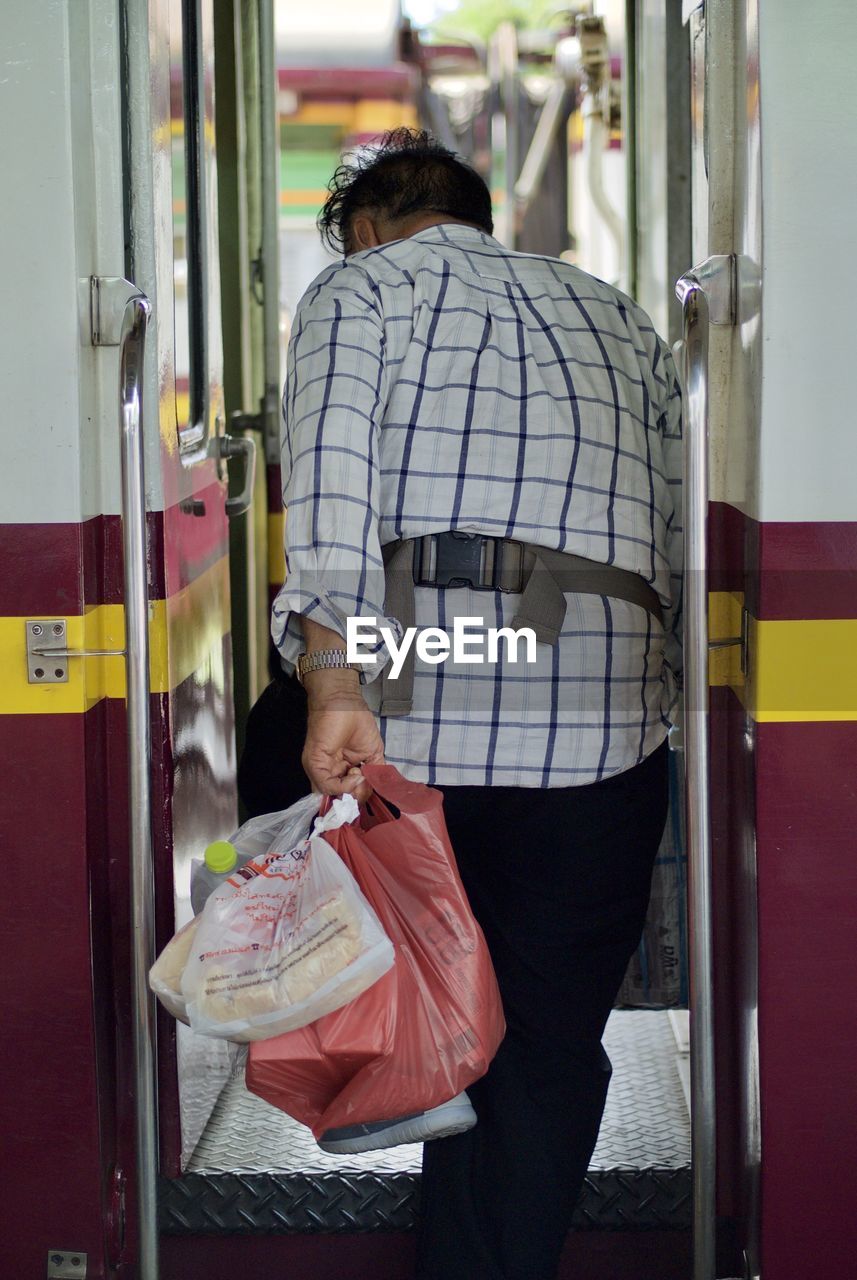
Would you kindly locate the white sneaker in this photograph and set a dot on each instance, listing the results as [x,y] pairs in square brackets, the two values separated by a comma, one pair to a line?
[455,1116]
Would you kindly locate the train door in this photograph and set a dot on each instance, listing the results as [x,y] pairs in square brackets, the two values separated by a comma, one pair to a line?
[772,581]
[173,249]
[175,216]
[256,1190]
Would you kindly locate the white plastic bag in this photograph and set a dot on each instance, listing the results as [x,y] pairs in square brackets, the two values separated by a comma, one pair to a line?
[287,827]
[288,938]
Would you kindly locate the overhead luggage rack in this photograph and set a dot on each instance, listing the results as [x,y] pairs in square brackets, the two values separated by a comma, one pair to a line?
[255,1170]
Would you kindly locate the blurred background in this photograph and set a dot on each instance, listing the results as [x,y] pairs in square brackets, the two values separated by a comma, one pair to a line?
[530,94]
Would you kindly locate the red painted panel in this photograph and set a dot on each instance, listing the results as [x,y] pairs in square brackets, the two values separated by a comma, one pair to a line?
[807,864]
[808,570]
[787,569]
[40,570]
[50,1109]
[728,533]
[589,1255]
[60,568]
[190,543]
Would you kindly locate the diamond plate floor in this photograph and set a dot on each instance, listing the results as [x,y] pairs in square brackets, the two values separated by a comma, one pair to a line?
[255,1169]
[646,1122]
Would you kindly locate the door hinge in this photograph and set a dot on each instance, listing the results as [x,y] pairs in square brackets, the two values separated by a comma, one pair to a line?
[66,1264]
[47,655]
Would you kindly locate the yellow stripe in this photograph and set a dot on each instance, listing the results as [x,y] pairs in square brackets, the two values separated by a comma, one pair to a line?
[724,621]
[185,638]
[799,669]
[276,549]
[804,670]
[89,679]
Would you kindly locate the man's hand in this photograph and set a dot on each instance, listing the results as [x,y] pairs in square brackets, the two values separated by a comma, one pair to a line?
[342,734]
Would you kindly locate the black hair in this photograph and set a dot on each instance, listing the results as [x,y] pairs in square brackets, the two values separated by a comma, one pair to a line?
[408,172]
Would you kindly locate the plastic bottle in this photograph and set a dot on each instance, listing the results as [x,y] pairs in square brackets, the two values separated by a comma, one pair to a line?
[221,859]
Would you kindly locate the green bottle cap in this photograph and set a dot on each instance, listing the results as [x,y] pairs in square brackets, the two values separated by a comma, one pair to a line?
[220,857]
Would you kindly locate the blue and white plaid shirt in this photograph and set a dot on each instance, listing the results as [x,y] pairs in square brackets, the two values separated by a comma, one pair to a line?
[444,382]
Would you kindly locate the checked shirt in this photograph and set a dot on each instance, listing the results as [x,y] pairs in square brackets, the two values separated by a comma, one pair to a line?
[444,382]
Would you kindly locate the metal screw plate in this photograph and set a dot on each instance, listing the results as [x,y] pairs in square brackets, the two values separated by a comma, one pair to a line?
[43,668]
[66,1264]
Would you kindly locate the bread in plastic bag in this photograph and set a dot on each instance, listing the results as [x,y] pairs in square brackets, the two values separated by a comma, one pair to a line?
[287,939]
[165,975]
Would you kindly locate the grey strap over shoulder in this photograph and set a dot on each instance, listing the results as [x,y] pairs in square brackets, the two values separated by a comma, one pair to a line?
[397,696]
[542,576]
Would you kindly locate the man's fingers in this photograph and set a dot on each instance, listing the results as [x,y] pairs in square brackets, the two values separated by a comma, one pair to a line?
[358,757]
[338,781]
[330,786]
[326,776]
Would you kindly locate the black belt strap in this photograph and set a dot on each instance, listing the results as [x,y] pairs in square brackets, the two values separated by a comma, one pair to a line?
[541,575]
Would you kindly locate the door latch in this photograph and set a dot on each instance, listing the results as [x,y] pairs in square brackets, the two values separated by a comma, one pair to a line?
[226,447]
[47,655]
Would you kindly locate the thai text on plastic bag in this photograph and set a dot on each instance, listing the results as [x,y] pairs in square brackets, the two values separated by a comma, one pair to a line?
[430,1026]
[287,939]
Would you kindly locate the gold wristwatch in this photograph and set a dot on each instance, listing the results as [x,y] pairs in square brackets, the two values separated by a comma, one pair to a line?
[324,660]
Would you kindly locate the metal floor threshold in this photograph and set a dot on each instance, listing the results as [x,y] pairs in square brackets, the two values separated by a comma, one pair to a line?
[257,1170]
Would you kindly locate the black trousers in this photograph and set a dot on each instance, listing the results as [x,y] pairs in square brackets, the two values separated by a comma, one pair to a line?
[559,880]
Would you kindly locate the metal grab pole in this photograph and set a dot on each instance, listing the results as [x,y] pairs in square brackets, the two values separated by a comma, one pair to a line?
[707,297]
[131,351]
[270,170]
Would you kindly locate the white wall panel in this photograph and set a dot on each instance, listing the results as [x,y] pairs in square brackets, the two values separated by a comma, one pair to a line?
[96,116]
[808,74]
[61,221]
[39,338]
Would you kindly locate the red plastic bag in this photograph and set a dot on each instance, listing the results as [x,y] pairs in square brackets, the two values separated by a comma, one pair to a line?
[431,1025]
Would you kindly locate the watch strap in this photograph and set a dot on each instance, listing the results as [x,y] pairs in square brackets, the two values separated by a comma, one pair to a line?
[324,660]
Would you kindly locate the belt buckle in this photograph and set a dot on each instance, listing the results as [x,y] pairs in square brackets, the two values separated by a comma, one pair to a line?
[458,559]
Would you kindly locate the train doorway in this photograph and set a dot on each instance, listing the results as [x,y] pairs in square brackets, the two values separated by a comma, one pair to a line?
[252,1171]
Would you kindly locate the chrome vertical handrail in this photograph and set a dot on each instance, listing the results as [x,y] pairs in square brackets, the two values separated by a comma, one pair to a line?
[707,297]
[270,177]
[131,352]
